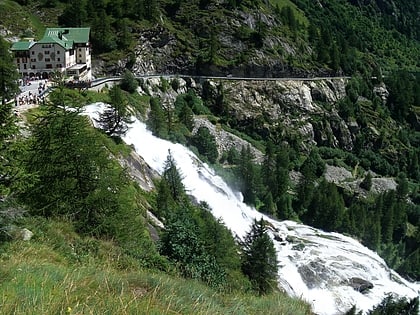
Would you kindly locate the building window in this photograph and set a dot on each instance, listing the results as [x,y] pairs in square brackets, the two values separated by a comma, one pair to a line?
[48,66]
[33,66]
[47,59]
[24,66]
[47,52]
[17,60]
[80,56]
[58,52]
[33,52]
[58,59]
[33,60]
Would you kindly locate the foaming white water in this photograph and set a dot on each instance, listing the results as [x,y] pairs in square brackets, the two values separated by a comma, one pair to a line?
[321,268]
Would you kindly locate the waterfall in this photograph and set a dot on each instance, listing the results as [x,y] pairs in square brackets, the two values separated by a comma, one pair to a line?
[330,271]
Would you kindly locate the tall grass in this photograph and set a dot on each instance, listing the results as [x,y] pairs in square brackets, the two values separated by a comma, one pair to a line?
[39,277]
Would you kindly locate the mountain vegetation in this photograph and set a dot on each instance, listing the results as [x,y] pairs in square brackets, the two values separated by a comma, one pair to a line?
[60,177]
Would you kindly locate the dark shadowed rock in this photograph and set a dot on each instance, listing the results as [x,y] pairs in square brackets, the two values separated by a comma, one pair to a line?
[360,285]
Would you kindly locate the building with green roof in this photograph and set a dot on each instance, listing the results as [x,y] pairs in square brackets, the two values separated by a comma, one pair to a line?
[66,50]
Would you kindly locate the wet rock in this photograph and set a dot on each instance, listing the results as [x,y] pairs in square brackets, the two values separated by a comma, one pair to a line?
[360,285]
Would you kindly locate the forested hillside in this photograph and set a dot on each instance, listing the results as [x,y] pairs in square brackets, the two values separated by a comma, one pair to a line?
[250,38]
[62,179]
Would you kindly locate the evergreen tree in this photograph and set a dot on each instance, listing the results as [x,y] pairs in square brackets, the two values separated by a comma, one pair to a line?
[156,120]
[269,206]
[259,260]
[8,73]
[247,173]
[129,82]
[326,209]
[268,170]
[114,119]
[76,176]
[402,186]
[389,306]
[388,203]
[165,203]
[13,177]
[367,182]
[74,15]
[186,117]
[173,178]
[103,37]
[205,142]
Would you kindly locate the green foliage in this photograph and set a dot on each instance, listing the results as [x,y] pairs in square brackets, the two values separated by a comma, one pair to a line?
[129,82]
[108,281]
[114,119]
[76,176]
[156,120]
[401,94]
[173,179]
[205,142]
[367,182]
[326,209]
[191,100]
[259,260]
[248,175]
[181,244]
[389,306]
[8,74]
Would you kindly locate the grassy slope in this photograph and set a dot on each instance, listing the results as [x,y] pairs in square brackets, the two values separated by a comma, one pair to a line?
[58,272]
[19,21]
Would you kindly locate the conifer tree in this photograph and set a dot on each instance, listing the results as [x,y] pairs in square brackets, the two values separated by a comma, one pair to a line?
[114,119]
[156,120]
[248,175]
[173,178]
[129,82]
[367,182]
[402,186]
[387,221]
[8,73]
[204,141]
[77,178]
[259,260]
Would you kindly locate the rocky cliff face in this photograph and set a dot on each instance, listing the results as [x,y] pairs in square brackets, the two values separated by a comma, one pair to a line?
[304,108]
[303,111]
[296,106]
[185,49]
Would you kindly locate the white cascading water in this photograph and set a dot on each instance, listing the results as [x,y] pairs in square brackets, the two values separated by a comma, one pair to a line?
[321,268]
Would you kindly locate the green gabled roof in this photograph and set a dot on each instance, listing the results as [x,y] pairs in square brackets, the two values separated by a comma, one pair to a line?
[76,35]
[23,45]
[66,37]
[52,39]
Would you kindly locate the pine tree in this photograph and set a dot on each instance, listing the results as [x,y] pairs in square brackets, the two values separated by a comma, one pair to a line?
[367,182]
[156,120]
[129,82]
[205,142]
[76,176]
[326,209]
[387,220]
[173,178]
[8,73]
[269,206]
[114,119]
[402,186]
[259,260]
[247,172]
